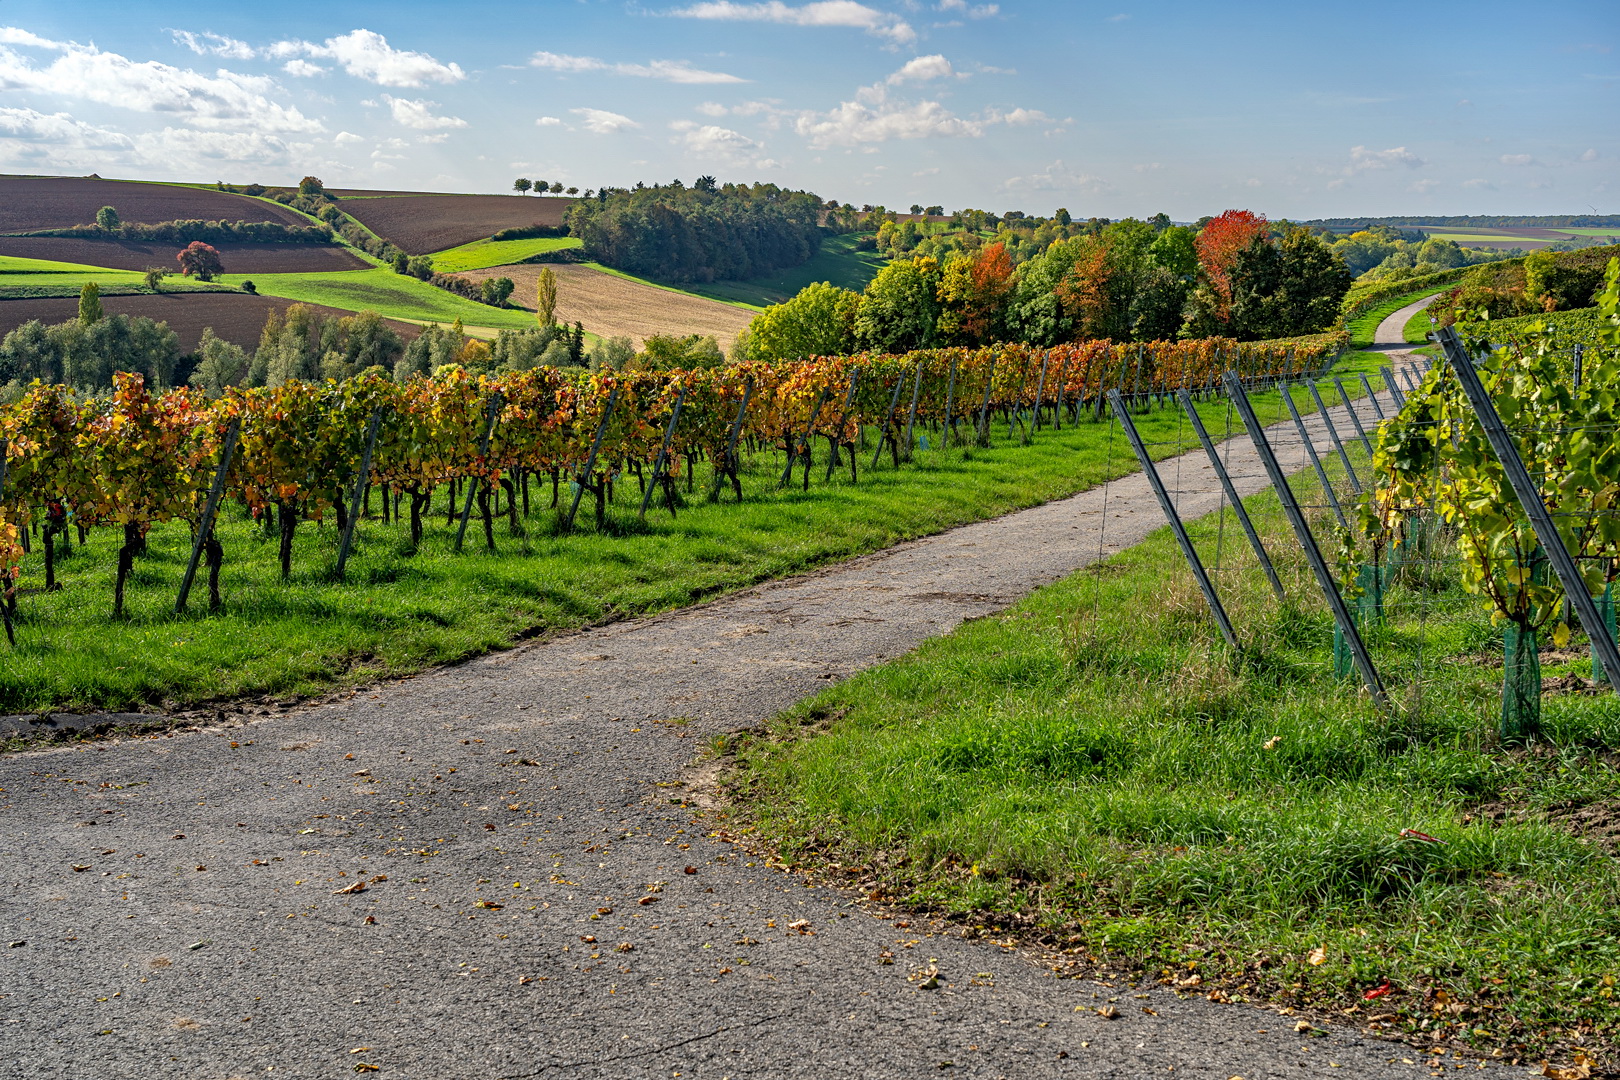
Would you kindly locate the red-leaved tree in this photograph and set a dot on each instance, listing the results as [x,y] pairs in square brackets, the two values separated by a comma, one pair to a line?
[201,261]
[1218,246]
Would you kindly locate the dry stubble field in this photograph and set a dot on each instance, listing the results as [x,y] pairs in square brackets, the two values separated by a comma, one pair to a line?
[612,306]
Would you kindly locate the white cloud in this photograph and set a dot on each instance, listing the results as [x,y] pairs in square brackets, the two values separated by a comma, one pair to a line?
[1019,117]
[1335,185]
[603,122]
[302,69]
[209,43]
[855,122]
[59,128]
[1122,17]
[675,71]
[344,138]
[13,35]
[1148,166]
[1362,159]
[1517,159]
[1423,187]
[713,143]
[1254,181]
[367,55]
[1590,155]
[845,13]
[418,114]
[922,69]
[1479,183]
[223,100]
[547,121]
[962,7]
[1059,177]
[712,108]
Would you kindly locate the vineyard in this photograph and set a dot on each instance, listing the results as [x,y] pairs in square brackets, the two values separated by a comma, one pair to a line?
[455,444]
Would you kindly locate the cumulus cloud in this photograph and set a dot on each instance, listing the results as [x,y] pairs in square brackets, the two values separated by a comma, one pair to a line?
[344,138]
[367,55]
[418,114]
[15,35]
[922,69]
[209,43]
[29,125]
[710,142]
[1362,159]
[844,13]
[1058,177]
[873,117]
[1590,155]
[675,71]
[1423,187]
[547,121]
[222,100]
[972,11]
[603,122]
[1517,159]
[1479,183]
[302,69]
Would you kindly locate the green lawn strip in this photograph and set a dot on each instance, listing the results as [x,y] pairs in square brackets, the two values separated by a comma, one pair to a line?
[1365,326]
[482,254]
[404,613]
[1416,330]
[1091,768]
[385,292]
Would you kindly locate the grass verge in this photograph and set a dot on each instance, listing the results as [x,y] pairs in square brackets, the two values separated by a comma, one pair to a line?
[403,611]
[1092,771]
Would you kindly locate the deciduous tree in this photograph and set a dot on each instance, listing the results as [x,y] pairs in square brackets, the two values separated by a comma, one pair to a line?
[201,261]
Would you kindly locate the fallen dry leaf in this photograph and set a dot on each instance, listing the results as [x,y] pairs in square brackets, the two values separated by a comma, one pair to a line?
[1302,1026]
[489,905]
[645,900]
[359,886]
[1271,743]
[1317,956]
[1108,1012]
[80,869]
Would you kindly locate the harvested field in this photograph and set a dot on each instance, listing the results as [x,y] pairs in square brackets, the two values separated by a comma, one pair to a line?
[612,306]
[139,254]
[421,224]
[56,202]
[236,317]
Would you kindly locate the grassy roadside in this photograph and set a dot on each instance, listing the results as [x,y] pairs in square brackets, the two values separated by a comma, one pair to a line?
[1091,771]
[403,612]
[43,278]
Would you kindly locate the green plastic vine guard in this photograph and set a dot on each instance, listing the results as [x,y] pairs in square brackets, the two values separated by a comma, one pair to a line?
[1367,608]
[1605,606]
[1521,671]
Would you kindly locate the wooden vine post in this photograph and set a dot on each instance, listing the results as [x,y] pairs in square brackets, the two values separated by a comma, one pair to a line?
[660,475]
[728,465]
[582,479]
[8,583]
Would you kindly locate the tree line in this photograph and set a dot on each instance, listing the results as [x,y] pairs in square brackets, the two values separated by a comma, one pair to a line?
[706,232]
[1238,275]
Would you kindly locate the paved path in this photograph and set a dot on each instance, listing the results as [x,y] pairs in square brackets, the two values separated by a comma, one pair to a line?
[1391,333]
[537,903]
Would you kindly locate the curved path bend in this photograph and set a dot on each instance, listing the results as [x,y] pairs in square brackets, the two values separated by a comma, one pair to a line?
[192,906]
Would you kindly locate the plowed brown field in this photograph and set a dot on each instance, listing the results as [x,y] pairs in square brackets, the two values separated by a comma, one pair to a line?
[236,317]
[56,202]
[612,306]
[421,224]
[139,254]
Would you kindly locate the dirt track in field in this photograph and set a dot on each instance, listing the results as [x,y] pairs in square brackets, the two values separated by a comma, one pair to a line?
[236,317]
[426,223]
[139,254]
[57,202]
[612,306]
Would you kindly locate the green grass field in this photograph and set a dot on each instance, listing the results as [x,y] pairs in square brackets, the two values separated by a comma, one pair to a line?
[392,295]
[41,278]
[402,613]
[1094,769]
[482,254]
[837,262]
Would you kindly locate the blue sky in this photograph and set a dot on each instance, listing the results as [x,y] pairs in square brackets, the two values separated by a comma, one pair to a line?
[1114,109]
